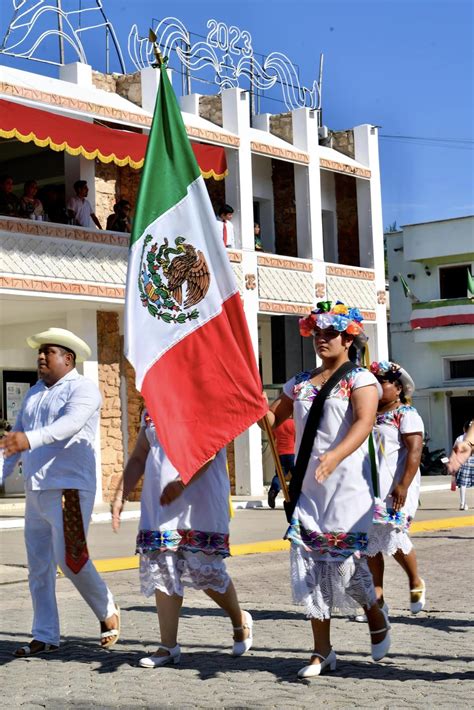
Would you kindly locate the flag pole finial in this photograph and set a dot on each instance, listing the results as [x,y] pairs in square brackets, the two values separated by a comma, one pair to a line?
[160,60]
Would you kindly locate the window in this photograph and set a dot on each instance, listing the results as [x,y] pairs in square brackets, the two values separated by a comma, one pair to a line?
[461,369]
[453,281]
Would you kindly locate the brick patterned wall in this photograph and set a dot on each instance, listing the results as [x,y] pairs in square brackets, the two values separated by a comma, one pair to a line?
[109,355]
[283,179]
[210,108]
[347,220]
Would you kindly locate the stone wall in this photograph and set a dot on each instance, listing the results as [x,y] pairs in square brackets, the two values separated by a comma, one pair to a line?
[135,406]
[210,108]
[283,179]
[127,85]
[113,183]
[343,141]
[106,82]
[130,87]
[109,356]
[347,220]
[281,125]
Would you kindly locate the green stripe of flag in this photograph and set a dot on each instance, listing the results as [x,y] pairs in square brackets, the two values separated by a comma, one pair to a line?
[170,166]
[443,303]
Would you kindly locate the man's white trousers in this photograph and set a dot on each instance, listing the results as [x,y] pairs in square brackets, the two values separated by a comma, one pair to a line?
[44,538]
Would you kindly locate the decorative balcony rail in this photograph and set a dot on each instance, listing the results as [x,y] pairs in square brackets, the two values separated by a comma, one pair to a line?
[441,313]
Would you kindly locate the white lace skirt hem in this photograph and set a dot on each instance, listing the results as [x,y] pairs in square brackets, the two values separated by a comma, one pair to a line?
[171,572]
[387,539]
[324,588]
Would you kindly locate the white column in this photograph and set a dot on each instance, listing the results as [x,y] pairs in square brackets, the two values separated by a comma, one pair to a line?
[308,186]
[248,446]
[369,208]
[238,183]
[149,80]
[190,103]
[84,324]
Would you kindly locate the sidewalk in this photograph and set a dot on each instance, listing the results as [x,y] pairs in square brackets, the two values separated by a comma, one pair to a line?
[12,508]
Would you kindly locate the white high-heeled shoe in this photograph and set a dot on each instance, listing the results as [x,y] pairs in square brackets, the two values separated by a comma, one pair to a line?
[362,618]
[241,647]
[315,669]
[379,650]
[418,598]
[155,661]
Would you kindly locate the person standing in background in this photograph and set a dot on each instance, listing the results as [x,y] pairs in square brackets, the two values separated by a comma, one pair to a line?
[285,444]
[79,208]
[465,474]
[224,217]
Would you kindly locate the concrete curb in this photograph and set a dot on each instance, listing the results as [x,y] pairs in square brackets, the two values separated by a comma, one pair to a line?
[18,523]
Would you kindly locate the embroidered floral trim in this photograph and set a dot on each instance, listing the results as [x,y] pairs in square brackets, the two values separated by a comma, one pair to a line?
[304,389]
[330,544]
[394,416]
[211,543]
[388,516]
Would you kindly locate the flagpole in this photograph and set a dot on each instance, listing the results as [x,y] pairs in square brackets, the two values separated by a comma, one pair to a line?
[276,458]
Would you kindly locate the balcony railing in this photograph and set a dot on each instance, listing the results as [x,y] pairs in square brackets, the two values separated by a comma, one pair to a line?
[442,313]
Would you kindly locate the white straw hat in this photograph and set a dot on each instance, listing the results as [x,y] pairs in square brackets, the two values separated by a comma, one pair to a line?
[62,337]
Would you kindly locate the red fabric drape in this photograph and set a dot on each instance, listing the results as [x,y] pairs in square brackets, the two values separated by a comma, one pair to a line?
[76,137]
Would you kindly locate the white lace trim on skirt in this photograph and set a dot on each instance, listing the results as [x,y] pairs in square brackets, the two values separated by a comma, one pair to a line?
[326,587]
[387,539]
[170,572]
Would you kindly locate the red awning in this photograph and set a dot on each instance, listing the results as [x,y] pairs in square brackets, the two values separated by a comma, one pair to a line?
[49,130]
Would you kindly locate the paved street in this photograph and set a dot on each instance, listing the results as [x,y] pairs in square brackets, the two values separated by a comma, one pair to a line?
[430,664]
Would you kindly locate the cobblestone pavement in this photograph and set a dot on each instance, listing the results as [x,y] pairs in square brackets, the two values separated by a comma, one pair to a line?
[430,664]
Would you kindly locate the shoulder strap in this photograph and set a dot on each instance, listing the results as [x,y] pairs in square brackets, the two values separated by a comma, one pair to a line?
[307,440]
[373,467]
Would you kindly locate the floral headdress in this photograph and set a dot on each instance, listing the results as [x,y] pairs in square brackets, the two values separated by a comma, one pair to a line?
[340,317]
[392,372]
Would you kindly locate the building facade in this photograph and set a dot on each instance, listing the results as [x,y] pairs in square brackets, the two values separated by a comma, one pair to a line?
[319,207]
[432,330]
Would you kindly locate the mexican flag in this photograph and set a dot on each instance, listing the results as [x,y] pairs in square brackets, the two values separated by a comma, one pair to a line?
[185,331]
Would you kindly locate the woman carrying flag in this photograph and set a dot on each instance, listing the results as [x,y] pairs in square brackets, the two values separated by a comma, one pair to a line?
[330,511]
[183,540]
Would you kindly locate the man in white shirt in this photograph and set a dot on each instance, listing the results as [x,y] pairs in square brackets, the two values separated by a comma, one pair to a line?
[225,214]
[79,208]
[54,436]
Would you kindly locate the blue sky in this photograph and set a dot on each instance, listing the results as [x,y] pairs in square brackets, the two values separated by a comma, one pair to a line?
[405,65]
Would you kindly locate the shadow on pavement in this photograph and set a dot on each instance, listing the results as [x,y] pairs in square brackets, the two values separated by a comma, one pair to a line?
[214,664]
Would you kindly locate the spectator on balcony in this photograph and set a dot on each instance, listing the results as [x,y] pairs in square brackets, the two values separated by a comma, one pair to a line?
[79,208]
[224,216]
[119,220]
[9,202]
[53,203]
[258,239]
[30,206]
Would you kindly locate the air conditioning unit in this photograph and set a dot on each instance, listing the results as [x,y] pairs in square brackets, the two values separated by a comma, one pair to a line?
[323,133]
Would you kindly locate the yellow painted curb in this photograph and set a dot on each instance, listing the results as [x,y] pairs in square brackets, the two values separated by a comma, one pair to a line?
[442,524]
[119,564]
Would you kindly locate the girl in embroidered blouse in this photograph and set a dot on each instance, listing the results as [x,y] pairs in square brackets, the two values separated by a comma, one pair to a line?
[183,540]
[333,514]
[398,435]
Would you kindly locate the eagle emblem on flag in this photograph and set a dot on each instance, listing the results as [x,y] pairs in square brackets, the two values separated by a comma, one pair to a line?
[172,279]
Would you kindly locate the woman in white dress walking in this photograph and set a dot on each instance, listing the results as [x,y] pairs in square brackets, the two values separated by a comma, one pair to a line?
[183,540]
[333,512]
[398,435]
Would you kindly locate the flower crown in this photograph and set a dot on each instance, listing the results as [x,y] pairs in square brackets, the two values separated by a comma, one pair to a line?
[340,317]
[386,370]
